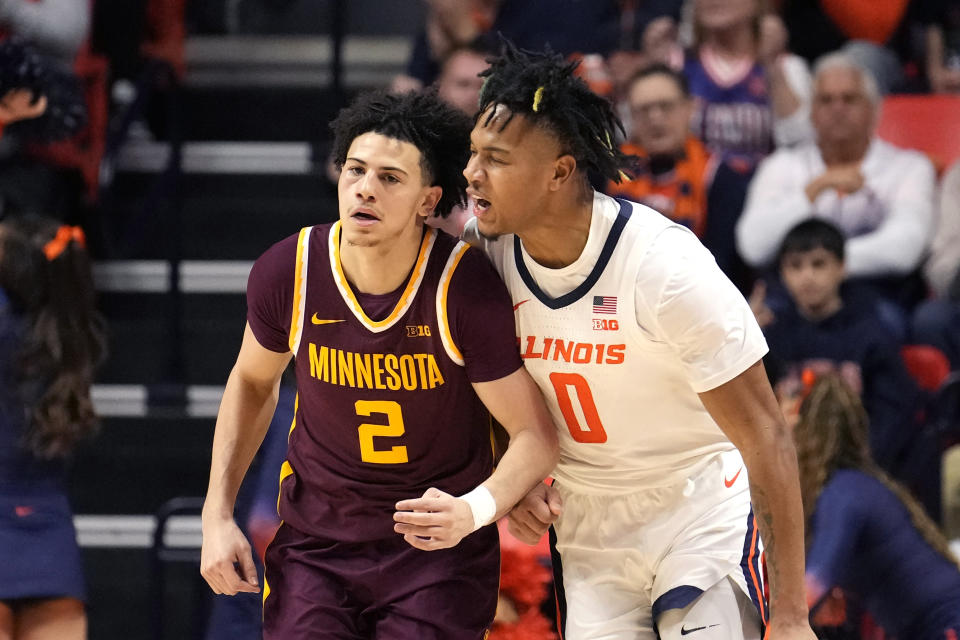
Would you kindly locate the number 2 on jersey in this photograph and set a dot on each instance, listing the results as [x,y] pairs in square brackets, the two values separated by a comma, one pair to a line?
[393,429]
[593,431]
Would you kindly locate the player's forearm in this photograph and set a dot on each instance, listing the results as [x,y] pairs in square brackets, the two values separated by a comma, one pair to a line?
[775,492]
[242,422]
[531,457]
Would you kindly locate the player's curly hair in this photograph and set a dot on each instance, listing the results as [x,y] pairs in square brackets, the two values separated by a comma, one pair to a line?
[542,87]
[438,130]
[832,433]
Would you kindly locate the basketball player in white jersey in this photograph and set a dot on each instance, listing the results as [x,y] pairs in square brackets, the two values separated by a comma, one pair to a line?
[650,361]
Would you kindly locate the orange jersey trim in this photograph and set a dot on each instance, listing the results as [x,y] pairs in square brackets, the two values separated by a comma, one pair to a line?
[753,575]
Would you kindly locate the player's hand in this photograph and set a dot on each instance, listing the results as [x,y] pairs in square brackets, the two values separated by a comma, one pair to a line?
[534,514]
[226,562]
[437,520]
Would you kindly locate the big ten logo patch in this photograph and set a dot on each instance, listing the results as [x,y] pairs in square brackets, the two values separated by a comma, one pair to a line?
[418,331]
[605,324]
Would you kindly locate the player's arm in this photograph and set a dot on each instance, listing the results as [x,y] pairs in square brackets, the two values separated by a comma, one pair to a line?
[517,403]
[747,412]
[438,520]
[249,400]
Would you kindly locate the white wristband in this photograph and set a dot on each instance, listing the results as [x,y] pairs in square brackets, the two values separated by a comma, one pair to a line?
[482,504]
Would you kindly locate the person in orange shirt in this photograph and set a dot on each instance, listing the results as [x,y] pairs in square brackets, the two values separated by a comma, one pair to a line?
[676,174]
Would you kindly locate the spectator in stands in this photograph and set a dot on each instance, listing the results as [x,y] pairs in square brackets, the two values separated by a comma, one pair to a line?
[57,27]
[567,26]
[29,182]
[51,339]
[459,81]
[942,22]
[677,175]
[825,328]
[648,35]
[865,533]
[752,94]
[878,35]
[937,321]
[459,85]
[880,196]
[131,32]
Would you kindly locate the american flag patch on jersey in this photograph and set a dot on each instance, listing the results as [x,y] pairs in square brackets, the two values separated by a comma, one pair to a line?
[605,304]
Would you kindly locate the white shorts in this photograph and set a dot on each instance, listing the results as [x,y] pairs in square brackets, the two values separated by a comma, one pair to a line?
[621,561]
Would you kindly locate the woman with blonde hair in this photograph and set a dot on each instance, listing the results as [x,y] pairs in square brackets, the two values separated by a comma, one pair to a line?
[865,533]
[51,339]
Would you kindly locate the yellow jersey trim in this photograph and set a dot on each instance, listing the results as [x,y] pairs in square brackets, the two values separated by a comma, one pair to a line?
[443,320]
[299,289]
[286,469]
[406,299]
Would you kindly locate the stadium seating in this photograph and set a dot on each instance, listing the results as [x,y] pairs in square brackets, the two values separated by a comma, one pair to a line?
[929,123]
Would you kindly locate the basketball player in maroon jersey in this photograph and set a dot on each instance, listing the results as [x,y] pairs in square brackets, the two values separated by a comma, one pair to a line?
[404,341]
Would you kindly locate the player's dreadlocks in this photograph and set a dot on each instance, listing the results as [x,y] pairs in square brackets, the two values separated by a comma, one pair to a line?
[541,86]
[439,131]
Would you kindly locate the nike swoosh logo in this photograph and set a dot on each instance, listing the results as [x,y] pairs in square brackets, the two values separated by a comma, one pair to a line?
[684,632]
[729,483]
[316,320]
[520,303]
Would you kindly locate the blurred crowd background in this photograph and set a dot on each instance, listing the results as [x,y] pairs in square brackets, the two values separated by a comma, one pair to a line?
[812,145]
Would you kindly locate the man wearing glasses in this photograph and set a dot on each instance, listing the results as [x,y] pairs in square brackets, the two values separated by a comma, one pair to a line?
[677,175]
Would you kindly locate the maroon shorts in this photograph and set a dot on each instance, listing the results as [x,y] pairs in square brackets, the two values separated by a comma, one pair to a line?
[383,589]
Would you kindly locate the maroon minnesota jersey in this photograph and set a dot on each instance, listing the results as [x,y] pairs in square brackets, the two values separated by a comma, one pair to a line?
[385,406]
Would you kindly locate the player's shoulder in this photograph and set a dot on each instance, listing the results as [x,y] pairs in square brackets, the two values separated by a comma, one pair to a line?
[276,265]
[651,236]
[473,267]
[286,249]
[643,220]
[445,244]
[496,248]
[280,257]
[282,247]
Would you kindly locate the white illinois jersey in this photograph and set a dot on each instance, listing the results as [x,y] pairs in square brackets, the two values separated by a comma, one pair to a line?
[622,340]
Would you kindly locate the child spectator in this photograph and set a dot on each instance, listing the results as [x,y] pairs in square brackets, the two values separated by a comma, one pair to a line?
[880,196]
[826,328]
